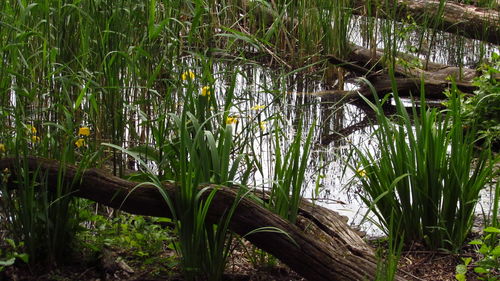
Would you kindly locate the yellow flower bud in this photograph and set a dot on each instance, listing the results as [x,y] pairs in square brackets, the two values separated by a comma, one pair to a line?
[2,147]
[361,172]
[262,125]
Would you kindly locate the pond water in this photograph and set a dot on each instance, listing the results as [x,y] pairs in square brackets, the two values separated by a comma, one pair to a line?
[265,95]
[340,126]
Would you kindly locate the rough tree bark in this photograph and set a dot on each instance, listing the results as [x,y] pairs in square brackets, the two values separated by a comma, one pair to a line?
[362,62]
[466,20]
[461,19]
[323,246]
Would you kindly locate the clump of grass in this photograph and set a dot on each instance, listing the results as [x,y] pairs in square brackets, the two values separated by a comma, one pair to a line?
[289,173]
[193,148]
[45,221]
[203,159]
[427,174]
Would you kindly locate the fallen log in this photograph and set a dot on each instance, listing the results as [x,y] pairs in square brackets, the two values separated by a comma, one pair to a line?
[364,62]
[322,246]
[461,19]
[409,78]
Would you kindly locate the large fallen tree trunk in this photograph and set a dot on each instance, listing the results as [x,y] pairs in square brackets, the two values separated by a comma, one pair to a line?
[322,246]
[461,19]
[363,61]
[409,79]
[466,20]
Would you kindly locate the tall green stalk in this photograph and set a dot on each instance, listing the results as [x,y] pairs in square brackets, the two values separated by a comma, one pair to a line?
[289,173]
[427,174]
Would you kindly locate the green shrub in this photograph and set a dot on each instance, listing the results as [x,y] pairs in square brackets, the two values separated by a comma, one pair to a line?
[482,109]
[488,266]
[9,254]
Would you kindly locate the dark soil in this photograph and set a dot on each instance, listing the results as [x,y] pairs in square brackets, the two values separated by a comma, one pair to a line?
[415,264]
[114,265]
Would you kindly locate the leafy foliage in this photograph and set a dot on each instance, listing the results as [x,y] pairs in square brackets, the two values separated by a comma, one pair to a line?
[488,266]
[482,110]
[140,238]
[10,254]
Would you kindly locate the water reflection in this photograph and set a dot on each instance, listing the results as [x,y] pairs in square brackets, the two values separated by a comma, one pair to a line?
[340,125]
[265,96]
[441,47]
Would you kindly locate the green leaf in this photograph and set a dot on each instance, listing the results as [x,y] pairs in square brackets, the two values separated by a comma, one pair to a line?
[491,229]
[480,270]
[24,257]
[485,249]
[80,97]
[11,242]
[461,269]
[496,252]
[460,276]
[8,262]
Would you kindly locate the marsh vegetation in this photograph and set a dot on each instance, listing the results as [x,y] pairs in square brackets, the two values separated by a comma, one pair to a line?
[380,111]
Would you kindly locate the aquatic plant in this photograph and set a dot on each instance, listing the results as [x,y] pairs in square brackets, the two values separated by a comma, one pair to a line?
[140,76]
[427,174]
[44,222]
[289,172]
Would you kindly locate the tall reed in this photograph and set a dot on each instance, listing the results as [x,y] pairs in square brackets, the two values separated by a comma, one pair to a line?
[289,173]
[426,174]
[45,221]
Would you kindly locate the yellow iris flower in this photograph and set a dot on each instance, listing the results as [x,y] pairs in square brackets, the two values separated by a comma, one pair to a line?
[80,142]
[84,131]
[205,91]
[257,107]
[188,75]
[2,147]
[231,120]
[35,138]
